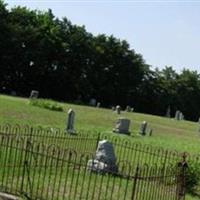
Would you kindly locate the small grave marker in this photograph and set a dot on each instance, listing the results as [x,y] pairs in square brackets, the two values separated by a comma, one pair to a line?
[118,109]
[98,104]
[34,94]
[128,109]
[122,126]
[105,159]
[93,102]
[70,121]
[143,128]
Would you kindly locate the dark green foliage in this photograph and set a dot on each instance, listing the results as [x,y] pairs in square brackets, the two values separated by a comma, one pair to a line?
[48,104]
[193,179]
[65,62]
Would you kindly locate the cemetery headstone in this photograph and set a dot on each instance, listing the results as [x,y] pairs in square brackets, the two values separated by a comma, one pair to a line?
[104,159]
[128,109]
[181,116]
[34,94]
[113,108]
[98,104]
[70,121]
[132,109]
[177,115]
[13,93]
[122,126]
[168,113]
[143,128]
[118,109]
[92,102]
[150,132]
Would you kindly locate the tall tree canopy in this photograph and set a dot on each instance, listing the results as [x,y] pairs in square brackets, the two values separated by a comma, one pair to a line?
[65,62]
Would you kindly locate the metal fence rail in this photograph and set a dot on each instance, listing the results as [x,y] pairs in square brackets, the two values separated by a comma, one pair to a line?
[47,172]
[86,141]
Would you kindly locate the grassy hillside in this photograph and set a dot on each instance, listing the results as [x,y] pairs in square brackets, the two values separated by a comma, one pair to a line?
[168,133]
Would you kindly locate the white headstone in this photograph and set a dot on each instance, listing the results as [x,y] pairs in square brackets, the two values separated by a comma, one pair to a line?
[168,113]
[113,108]
[143,128]
[34,94]
[177,115]
[104,160]
[70,121]
[98,104]
[122,126]
[128,109]
[118,109]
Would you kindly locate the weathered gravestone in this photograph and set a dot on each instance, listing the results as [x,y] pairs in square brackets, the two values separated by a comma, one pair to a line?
[132,109]
[179,115]
[150,132]
[143,128]
[118,109]
[34,94]
[104,159]
[113,108]
[168,113]
[93,102]
[122,126]
[128,109]
[13,93]
[98,104]
[70,121]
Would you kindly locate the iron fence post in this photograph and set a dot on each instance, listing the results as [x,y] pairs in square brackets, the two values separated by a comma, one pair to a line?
[98,139]
[181,178]
[25,163]
[135,178]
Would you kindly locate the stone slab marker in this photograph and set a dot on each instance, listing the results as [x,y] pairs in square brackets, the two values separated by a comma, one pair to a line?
[113,108]
[118,109]
[143,128]
[70,121]
[122,126]
[98,104]
[128,109]
[5,196]
[177,115]
[34,94]
[168,113]
[104,159]
[93,102]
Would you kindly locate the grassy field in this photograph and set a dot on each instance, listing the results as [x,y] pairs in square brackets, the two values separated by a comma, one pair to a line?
[167,133]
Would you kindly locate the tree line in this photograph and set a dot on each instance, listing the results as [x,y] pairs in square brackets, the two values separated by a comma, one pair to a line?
[65,62]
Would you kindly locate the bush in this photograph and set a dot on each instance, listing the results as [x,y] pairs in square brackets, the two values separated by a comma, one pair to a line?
[193,178]
[47,104]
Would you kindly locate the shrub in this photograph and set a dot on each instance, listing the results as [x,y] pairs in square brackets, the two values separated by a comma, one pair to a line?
[193,178]
[47,104]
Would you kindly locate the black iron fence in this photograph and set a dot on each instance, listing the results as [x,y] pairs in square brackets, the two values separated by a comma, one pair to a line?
[83,141]
[37,170]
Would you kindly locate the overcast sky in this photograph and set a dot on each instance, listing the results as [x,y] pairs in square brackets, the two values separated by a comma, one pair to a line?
[164,32]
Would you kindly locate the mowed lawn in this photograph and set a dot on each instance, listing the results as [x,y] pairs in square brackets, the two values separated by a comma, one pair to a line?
[167,133]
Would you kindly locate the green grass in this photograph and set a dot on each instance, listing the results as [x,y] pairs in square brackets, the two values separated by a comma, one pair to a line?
[167,133]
